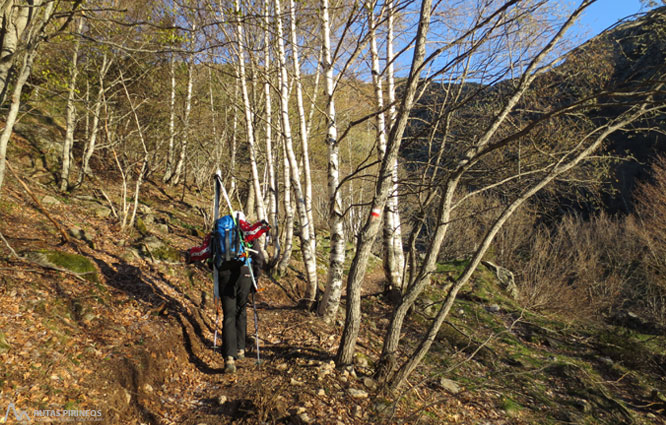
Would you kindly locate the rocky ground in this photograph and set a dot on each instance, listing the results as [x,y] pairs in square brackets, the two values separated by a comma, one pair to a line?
[96,317]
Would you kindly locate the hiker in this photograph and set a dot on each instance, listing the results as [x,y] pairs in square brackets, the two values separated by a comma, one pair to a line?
[235,287]
[229,255]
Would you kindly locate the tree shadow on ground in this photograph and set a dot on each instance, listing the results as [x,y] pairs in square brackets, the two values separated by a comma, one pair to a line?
[130,280]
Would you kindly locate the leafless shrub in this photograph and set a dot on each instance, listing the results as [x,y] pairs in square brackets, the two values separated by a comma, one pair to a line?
[650,228]
[580,268]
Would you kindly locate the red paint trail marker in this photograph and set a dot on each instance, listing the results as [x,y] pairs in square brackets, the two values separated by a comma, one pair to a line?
[375,213]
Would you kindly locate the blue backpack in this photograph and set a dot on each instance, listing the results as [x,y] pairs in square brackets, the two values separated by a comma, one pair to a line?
[226,243]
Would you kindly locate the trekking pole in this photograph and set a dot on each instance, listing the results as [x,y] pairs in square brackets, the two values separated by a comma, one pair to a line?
[218,176]
[216,275]
[217,322]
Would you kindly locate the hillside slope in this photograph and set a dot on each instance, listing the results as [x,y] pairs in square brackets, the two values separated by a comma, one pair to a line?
[114,322]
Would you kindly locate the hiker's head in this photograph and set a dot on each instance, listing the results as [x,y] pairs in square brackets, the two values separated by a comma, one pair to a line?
[238,215]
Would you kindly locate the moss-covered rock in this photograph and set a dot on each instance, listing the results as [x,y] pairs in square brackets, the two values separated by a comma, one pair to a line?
[77,264]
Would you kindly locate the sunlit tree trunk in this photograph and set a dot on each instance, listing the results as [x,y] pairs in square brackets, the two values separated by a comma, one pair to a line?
[287,244]
[42,14]
[94,127]
[70,116]
[168,173]
[309,258]
[331,300]
[395,257]
[178,171]
[272,188]
[307,175]
[247,107]
[384,184]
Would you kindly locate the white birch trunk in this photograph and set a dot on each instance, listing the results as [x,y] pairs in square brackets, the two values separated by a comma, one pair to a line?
[41,16]
[15,19]
[272,188]
[396,257]
[288,243]
[331,301]
[234,142]
[70,116]
[384,184]
[303,125]
[178,171]
[168,173]
[94,128]
[309,258]
[261,214]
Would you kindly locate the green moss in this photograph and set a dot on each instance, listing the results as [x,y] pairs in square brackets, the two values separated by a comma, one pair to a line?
[75,263]
[511,407]
[6,206]
[167,254]
[4,345]
[141,226]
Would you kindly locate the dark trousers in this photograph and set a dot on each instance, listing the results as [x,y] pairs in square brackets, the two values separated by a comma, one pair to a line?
[235,286]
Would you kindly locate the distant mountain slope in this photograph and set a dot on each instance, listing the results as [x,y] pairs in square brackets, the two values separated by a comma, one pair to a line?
[618,59]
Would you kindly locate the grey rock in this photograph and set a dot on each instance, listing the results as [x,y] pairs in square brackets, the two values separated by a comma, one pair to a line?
[153,243]
[75,232]
[356,393]
[449,385]
[505,277]
[50,200]
[493,308]
[163,228]
[369,383]
[102,212]
[149,219]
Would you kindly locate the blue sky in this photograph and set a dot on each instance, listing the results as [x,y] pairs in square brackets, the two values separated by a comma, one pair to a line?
[605,13]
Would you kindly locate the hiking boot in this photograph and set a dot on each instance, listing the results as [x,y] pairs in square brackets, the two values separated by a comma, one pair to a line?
[230,365]
[241,354]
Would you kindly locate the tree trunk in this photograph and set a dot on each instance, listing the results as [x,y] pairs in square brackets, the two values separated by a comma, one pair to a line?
[168,173]
[384,184]
[178,171]
[70,119]
[287,245]
[309,258]
[395,258]
[15,19]
[94,128]
[307,175]
[272,188]
[261,214]
[331,300]
[35,29]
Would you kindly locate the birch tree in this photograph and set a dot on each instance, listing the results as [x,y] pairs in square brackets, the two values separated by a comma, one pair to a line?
[384,183]
[394,260]
[70,117]
[302,120]
[168,172]
[247,106]
[309,258]
[24,28]
[331,300]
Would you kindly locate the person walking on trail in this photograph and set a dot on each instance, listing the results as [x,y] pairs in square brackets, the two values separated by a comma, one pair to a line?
[227,249]
[235,287]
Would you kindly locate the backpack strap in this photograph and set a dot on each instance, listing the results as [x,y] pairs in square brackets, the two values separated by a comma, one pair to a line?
[227,245]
